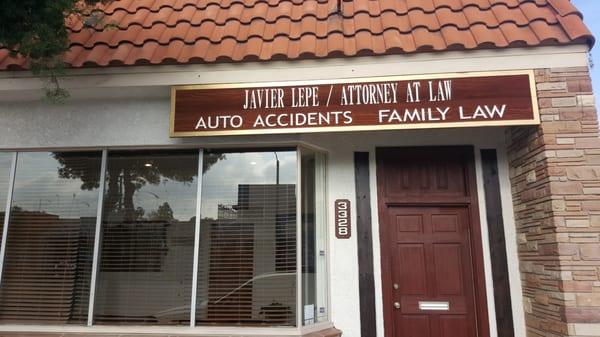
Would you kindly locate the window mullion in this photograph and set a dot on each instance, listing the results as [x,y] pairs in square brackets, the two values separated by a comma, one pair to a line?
[299,311]
[320,237]
[196,240]
[97,235]
[11,185]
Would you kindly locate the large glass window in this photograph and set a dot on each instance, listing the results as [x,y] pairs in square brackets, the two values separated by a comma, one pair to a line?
[147,244]
[247,259]
[48,258]
[136,262]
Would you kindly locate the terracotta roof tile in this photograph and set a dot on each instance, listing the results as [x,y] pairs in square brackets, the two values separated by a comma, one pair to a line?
[504,13]
[518,35]
[455,5]
[532,12]
[280,46]
[457,39]
[335,44]
[546,34]
[426,5]
[574,27]
[447,17]
[563,8]
[485,36]
[187,31]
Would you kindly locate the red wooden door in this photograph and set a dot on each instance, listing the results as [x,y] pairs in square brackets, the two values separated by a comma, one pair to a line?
[433,290]
[432,262]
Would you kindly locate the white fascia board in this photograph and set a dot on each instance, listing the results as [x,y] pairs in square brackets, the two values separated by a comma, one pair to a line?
[420,63]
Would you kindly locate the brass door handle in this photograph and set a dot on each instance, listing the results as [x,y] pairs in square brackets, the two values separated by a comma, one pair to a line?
[397,305]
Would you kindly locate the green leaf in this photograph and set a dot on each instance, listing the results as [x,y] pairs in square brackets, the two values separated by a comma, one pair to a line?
[37,30]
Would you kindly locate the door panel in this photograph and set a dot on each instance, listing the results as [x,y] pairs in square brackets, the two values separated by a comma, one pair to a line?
[412,255]
[432,267]
[443,223]
[414,325]
[447,262]
[416,172]
[432,270]
[451,326]
[409,223]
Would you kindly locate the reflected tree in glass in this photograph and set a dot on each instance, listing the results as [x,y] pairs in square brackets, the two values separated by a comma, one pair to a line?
[135,175]
[148,226]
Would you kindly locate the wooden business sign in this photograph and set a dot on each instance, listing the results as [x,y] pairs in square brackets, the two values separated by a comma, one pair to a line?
[343,226]
[380,103]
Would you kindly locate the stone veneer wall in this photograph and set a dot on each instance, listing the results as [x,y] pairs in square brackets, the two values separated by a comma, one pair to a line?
[555,177]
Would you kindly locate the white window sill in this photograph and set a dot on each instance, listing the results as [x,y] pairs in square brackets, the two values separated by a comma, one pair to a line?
[19,329]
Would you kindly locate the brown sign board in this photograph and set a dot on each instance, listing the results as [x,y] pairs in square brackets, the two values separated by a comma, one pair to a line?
[357,104]
[343,225]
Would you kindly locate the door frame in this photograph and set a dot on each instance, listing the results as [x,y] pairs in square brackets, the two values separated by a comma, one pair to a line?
[472,205]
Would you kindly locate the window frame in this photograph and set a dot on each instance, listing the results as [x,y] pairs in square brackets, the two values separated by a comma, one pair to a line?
[91,327]
[11,186]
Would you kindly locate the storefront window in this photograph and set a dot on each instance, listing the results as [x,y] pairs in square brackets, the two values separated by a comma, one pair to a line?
[314,235]
[135,263]
[48,258]
[247,256]
[147,243]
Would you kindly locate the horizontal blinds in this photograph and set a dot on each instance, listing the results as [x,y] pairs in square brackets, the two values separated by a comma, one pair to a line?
[247,254]
[147,244]
[48,258]
[247,258]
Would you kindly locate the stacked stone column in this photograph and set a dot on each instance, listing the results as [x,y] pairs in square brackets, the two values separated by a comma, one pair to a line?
[555,177]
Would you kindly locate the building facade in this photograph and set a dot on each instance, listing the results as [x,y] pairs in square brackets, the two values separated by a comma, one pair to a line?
[306,168]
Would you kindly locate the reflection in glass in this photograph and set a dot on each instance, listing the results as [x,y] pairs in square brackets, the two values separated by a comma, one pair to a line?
[5,166]
[247,258]
[147,244]
[48,260]
[314,234]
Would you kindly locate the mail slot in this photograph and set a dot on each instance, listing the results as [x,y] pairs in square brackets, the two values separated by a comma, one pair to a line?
[437,306]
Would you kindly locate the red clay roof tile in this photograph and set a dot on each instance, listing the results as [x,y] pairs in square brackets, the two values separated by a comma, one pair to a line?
[455,5]
[563,8]
[547,35]
[518,35]
[187,31]
[506,14]
[574,27]
[457,39]
[485,36]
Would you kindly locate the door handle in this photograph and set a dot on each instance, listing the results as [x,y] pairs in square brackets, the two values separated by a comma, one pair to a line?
[397,305]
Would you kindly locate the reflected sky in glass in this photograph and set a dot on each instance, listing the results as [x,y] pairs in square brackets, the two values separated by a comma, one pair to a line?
[221,180]
[151,197]
[40,187]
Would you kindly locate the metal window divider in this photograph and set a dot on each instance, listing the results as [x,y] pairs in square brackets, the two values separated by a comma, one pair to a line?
[299,311]
[326,233]
[11,185]
[321,239]
[97,235]
[196,240]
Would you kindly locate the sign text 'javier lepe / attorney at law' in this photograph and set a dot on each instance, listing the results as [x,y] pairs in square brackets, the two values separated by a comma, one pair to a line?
[451,100]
